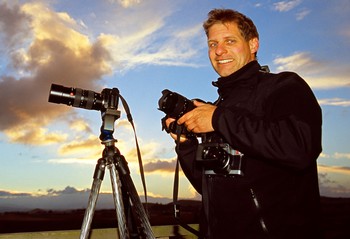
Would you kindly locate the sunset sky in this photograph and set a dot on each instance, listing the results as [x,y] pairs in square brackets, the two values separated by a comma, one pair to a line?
[142,47]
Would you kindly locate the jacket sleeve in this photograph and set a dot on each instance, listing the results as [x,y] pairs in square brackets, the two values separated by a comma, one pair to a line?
[287,132]
[187,156]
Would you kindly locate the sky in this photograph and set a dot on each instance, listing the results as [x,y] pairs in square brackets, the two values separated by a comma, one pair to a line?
[49,151]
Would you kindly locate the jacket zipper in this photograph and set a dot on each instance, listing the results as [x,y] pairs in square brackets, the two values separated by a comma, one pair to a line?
[258,208]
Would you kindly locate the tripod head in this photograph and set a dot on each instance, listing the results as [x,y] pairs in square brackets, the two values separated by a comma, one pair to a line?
[109,113]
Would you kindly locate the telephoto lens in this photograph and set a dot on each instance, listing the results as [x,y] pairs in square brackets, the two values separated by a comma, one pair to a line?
[75,97]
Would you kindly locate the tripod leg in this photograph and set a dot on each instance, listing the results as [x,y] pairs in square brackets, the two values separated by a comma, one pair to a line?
[118,201]
[140,211]
[89,212]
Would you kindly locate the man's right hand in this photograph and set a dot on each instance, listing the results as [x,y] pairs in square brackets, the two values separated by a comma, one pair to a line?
[182,139]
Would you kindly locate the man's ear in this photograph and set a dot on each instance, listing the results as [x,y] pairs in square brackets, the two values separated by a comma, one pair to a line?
[254,45]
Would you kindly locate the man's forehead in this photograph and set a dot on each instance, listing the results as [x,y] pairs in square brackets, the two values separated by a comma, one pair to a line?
[226,30]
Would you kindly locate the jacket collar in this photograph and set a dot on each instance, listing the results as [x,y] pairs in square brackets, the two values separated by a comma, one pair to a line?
[243,77]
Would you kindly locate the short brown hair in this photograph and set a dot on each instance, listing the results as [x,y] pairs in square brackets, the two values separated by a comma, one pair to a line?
[224,16]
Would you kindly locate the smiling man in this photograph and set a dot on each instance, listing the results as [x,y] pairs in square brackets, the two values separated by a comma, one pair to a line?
[256,164]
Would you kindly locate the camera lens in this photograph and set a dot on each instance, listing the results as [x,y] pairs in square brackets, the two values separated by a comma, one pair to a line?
[75,97]
[174,105]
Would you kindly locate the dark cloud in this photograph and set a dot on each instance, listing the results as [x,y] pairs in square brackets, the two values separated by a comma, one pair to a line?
[159,165]
[331,188]
[14,25]
[67,190]
[50,59]
[5,194]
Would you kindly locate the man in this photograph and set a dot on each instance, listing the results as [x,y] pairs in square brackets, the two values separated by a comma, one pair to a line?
[274,121]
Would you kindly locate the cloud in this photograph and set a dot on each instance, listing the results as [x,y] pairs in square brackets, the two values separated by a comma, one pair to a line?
[77,160]
[329,181]
[336,155]
[80,125]
[285,6]
[302,14]
[160,165]
[56,53]
[14,25]
[7,194]
[91,144]
[316,73]
[335,102]
[331,188]
[126,3]
[334,169]
[154,40]
[342,155]
[175,49]
[32,134]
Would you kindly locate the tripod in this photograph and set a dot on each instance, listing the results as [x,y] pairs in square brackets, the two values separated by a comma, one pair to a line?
[131,215]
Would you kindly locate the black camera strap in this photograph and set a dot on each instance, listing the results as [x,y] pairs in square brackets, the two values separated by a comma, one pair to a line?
[128,113]
[176,203]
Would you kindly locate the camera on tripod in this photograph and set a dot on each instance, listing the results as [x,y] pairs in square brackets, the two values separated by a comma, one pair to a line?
[216,156]
[106,101]
[86,99]
[126,199]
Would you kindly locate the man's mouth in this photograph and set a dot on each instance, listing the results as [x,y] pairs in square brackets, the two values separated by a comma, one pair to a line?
[225,61]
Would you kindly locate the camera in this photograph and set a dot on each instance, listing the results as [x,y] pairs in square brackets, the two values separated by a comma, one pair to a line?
[220,158]
[86,99]
[174,106]
[106,102]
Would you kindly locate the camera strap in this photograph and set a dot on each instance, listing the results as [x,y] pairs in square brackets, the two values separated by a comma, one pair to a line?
[176,203]
[128,114]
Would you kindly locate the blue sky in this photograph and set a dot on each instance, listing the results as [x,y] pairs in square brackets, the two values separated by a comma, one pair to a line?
[142,47]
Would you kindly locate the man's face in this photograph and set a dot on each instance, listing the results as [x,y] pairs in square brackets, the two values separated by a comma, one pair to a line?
[228,50]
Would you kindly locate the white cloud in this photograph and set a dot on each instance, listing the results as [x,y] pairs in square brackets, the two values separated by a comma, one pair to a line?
[342,155]
[318,74]
[335,102]
[285,6]
[334,169]
[126,3]
[302,14]
[142,48]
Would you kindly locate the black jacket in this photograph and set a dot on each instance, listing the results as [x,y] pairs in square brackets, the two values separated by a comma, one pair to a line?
[275,121]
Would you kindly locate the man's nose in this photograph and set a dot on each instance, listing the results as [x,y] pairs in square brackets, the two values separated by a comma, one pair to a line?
[220,49]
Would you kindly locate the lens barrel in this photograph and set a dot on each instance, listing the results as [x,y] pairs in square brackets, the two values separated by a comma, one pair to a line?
[75,97]
[174,105]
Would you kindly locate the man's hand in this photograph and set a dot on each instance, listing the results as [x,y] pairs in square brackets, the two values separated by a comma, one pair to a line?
[168,121]
[199,120]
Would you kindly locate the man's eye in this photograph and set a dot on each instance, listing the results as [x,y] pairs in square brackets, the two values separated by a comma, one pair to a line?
[230,41]
[212,44]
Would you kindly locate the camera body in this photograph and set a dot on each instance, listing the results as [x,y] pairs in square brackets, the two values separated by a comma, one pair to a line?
[220,159]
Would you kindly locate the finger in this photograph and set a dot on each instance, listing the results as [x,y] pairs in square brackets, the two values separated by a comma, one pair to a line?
[183,118]
[197,103]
